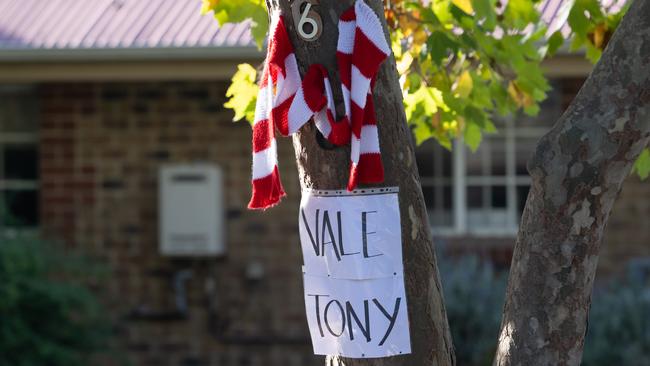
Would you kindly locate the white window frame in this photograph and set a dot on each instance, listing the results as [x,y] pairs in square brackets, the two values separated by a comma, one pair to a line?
[460,182]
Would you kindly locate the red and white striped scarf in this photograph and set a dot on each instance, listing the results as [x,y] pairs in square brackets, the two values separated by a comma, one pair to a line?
[361,48]
[286,103]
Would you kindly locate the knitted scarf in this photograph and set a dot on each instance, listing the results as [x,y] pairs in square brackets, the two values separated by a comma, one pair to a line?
[287,103]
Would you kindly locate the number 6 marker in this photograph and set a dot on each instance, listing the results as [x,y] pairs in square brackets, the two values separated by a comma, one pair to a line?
[306,16]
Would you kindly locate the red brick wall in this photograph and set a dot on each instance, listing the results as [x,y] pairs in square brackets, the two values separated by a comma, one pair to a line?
[628,231]
[101,147]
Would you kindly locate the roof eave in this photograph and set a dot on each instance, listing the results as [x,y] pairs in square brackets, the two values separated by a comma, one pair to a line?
[129,54]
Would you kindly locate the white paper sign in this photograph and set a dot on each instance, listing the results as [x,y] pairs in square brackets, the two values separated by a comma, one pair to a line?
[353,272]
[351,236]
[357,318]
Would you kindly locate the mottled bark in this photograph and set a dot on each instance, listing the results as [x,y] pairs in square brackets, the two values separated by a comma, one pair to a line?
[577,171]
[328,169]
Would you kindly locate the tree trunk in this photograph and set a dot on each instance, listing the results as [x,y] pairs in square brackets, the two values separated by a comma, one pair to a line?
[323,168]
[577,170]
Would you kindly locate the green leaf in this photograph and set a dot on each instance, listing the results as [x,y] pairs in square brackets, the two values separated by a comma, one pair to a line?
[440,46]
[243,93]
[485,10]
[519,13]
[464,5]
[489,127]
[442,11]
[259,27]
[555,41]
[422,131]
[472,136]
[642,164]
[464,85]
[594,9]
[427,97]
[429,16]
[475,116]
[593,54]
[532,110]
[481,97]
[455,72]
[234,11]
[578,20]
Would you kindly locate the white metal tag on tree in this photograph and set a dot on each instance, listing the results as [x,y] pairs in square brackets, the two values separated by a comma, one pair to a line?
[353,272]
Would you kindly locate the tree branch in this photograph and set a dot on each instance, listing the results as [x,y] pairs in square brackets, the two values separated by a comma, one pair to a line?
[328,169]
[578,170]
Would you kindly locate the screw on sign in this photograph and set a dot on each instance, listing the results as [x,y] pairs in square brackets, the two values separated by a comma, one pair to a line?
[307,21]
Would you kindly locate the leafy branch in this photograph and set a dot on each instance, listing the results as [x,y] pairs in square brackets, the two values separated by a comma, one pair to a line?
[462,63]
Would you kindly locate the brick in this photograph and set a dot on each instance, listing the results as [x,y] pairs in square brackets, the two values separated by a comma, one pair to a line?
[159,155]
[150,93]
[112,184]
[57,141]
[141,108]
[101,147]
[119,124]
[195,93]
[87,169]
[59,108]
[111,93]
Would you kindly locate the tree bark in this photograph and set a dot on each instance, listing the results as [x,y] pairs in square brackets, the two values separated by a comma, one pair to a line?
[323,168]
[577,170]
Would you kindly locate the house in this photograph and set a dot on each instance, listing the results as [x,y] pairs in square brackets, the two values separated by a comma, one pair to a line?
[97,96]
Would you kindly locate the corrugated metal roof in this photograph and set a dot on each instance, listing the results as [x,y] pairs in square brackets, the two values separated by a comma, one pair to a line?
[118,28]
[114,24]
[555,13]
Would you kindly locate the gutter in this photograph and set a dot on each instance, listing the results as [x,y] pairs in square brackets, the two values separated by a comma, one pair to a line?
[128,54]
[152,53]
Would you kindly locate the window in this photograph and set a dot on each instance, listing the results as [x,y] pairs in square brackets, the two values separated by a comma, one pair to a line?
[484,192]
[18,158]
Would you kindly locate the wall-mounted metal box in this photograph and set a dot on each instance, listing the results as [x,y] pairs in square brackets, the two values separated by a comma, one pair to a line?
[191,214]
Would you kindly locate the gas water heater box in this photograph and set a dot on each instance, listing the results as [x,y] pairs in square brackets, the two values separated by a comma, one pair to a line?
[191,210]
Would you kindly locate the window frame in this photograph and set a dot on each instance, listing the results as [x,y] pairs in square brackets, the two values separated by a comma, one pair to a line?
[30,137]
[460,181]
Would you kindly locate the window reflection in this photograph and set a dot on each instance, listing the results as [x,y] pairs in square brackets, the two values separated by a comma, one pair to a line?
[19,172]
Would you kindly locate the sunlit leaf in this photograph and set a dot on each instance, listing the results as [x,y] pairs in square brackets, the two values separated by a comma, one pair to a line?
[462,63]
[234,11]
[243,93]
[642,164]
[464,5]
[404,63]
[422,131]
[599,35]
[521,98]
[464,84]
[520,13]
[207,6]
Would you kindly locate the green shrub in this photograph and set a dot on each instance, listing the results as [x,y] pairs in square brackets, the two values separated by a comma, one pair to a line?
[474,295]
[619,321]
[619,325]
[47,315]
